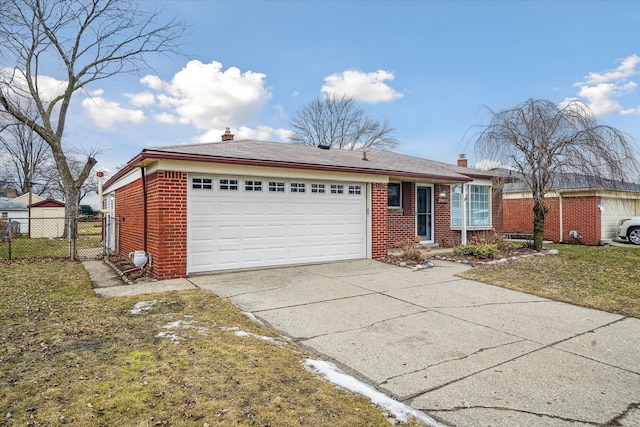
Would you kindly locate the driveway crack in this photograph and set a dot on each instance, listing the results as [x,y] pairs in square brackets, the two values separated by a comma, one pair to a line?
[505,409]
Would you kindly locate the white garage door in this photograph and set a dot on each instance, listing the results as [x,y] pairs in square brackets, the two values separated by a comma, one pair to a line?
[242,222]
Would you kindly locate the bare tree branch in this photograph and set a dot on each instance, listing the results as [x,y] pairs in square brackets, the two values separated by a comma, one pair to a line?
[336,121]
[543,143]
[72,43]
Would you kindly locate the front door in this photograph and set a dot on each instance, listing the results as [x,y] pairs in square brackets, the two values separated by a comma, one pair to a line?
[424,213]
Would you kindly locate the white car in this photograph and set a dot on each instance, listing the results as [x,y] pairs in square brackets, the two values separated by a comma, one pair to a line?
[629,229]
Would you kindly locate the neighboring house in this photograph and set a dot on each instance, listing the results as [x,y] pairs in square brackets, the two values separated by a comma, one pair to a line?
[243,204]
[16,212]
[26,199]
[47,219]
[581,209]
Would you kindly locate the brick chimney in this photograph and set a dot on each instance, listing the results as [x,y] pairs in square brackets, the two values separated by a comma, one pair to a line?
[462,160]
[228,136]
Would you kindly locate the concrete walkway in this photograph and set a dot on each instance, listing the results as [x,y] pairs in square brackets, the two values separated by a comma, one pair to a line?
[466,353]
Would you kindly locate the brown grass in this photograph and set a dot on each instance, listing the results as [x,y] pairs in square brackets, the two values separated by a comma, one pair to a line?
[67,357]
[605,278]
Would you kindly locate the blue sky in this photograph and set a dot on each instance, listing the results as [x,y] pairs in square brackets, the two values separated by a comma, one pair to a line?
[427,66]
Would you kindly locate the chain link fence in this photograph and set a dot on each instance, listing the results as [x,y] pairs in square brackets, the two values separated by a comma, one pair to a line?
[52,238]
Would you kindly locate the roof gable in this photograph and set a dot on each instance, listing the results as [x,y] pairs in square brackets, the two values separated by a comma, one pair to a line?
[47,203]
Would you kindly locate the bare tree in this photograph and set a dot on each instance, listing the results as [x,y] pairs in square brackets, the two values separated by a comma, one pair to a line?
[53,186]
[87,41]
[24,156]
[336,121]
[543,142]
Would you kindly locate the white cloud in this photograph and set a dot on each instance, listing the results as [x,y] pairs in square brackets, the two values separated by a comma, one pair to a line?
[366,87]
[260,133]
[105,113]
[605,92]
[166,118]
[211,98]
[143,99]
[48,87]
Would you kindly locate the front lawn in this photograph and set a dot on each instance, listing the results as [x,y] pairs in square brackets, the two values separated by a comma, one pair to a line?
[182,358]
[606,278]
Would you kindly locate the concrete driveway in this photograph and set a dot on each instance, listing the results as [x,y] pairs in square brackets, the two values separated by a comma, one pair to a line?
[466,353]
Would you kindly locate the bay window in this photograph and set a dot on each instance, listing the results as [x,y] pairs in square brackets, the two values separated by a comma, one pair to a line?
[477,205]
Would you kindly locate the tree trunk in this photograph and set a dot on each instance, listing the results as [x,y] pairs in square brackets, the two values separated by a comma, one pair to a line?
[72,200]
[539,211]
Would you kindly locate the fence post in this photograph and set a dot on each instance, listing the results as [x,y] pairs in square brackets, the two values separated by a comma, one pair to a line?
[9,237]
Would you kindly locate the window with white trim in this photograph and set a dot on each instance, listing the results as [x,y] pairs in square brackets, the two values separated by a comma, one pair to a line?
[355,189]
[337,189]
[317,188]
[250,185]
[228,184]
[393,195]
[477,206]
[276,186]
[202,183]
[298,187]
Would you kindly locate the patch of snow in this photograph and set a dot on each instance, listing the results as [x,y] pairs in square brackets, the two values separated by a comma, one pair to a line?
[334,375]
[251,316]
[173,325]
[173,337]
[142,306]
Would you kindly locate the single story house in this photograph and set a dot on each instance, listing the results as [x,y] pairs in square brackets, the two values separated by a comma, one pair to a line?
[47,219]
[581,209]
[16,212]
[245,203]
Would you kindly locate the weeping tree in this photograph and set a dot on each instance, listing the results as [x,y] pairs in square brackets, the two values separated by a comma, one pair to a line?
[51,49]
[543,142]
[337,121]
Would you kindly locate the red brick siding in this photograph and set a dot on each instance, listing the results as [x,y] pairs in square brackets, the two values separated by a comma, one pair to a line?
[167,223]
[402,222]
[128,209]
[582,214]
[379,221]
[443,234]
[579,213]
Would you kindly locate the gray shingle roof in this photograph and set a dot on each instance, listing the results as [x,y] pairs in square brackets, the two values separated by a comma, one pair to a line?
[289,155]
[574,181]
[12,205]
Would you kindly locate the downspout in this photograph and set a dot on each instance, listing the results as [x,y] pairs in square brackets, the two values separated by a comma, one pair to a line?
[144,209]
[463,231]
[561,217]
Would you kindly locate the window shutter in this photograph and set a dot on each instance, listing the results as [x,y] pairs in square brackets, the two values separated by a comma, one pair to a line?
[406,199]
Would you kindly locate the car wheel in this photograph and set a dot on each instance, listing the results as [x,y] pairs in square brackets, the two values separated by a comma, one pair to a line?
[634,235]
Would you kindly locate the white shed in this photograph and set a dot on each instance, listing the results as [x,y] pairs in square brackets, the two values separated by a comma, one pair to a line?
[47,219]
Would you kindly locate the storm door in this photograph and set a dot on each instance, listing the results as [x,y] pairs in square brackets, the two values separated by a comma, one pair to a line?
[424,213]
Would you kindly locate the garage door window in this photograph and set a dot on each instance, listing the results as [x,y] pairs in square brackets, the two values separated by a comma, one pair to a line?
[202,183]
[253,185]
[317,188]
[355,189]
[276,186]
[298,187]
[228,184]
[337,189]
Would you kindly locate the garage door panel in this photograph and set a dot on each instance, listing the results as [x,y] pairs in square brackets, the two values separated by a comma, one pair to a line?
[241,229]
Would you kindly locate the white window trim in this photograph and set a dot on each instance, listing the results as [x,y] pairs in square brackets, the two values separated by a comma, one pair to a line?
[466,194]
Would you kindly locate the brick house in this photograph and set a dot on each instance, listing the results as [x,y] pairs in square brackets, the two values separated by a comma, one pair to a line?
[244,204]
[581,210]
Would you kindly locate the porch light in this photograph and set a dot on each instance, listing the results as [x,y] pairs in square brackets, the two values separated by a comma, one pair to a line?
[443,193]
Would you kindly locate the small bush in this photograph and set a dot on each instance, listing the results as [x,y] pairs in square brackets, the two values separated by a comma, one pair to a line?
[411,248]
[480,251]
[491,238]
